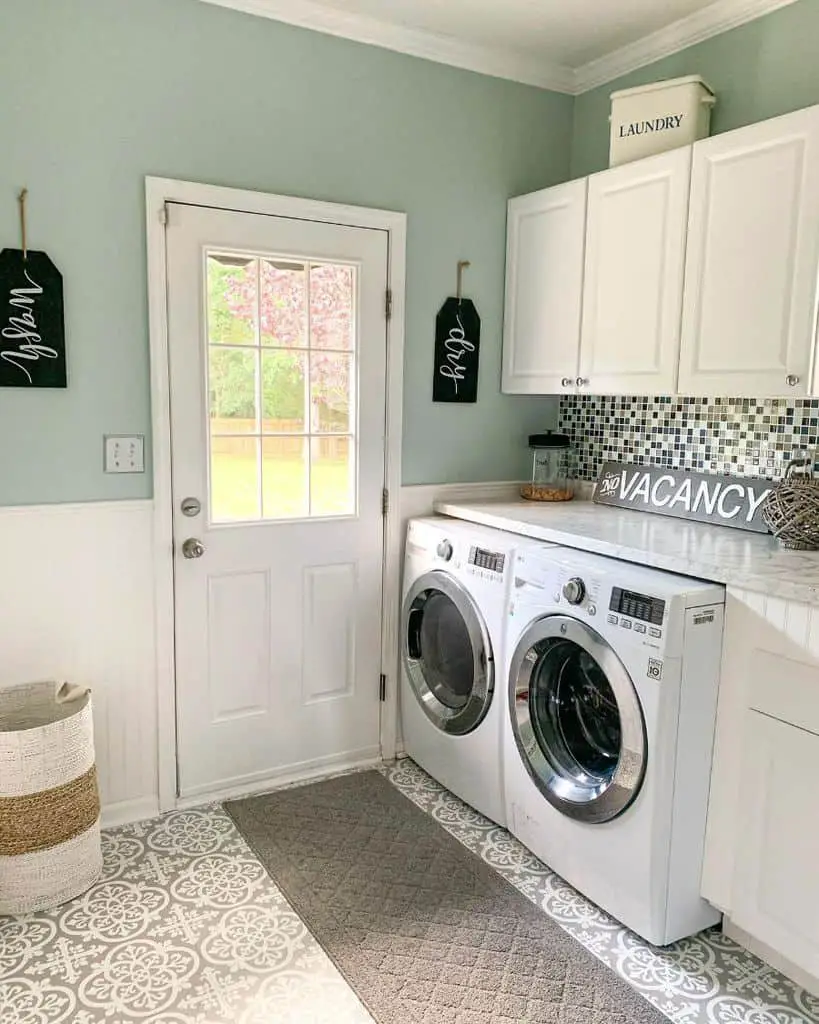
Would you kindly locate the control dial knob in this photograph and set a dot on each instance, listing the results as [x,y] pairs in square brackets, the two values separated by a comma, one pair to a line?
[574,590]
[445,550]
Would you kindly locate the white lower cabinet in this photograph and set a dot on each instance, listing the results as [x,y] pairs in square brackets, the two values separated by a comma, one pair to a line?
[775,894]
[761,865]
[633,287]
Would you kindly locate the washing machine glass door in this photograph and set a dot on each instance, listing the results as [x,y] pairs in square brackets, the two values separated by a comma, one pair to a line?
[447,653]
[576,719]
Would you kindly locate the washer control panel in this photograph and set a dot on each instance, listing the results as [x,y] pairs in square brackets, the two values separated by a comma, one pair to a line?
[637,612]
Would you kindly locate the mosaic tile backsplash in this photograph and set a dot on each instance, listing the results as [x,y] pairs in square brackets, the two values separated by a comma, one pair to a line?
[736,436]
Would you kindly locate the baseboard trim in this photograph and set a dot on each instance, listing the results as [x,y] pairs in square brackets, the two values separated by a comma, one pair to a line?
[306,771]
[128,811]
[770,956]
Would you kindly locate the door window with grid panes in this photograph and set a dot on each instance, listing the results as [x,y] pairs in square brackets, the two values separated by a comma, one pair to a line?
[281,386]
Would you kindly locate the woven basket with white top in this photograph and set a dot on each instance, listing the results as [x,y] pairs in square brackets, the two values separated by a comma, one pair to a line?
[49,801]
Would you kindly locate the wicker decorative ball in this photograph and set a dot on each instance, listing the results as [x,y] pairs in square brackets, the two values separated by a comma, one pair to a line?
[791,510]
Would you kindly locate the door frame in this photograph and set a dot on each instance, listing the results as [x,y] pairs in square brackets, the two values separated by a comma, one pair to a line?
[158,192]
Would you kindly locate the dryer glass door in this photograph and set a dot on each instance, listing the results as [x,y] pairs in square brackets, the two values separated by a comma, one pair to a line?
[577,720]
[447,653]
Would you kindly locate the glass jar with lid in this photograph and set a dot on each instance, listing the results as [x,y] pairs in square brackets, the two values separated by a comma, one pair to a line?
[552,460]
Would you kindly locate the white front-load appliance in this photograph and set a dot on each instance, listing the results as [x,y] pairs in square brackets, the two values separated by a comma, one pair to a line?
[612,673]
[457,579]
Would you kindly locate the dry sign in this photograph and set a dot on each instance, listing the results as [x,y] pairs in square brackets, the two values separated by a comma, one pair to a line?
[722,500]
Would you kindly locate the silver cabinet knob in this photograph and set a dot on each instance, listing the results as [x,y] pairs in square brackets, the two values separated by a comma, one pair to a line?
[792,380]
[581,382]
[193,548]
[566,382]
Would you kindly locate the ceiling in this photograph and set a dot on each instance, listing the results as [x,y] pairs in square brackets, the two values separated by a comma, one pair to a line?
[570,45]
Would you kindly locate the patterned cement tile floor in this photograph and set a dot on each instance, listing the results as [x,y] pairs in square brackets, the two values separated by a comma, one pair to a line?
[186,928]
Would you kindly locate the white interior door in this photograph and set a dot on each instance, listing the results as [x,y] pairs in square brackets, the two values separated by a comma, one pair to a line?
[277,340]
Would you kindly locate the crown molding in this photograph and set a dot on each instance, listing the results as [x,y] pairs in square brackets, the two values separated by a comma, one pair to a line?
[711,21]
[486,60]
[511,64]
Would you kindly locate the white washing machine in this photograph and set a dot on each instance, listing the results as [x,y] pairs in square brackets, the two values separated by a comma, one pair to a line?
[457,579]
[612,673]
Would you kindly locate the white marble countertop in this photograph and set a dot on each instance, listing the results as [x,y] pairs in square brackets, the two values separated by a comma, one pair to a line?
[751,561]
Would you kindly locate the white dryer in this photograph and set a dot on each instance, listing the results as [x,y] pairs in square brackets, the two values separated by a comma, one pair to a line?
[613,672]
[457,580]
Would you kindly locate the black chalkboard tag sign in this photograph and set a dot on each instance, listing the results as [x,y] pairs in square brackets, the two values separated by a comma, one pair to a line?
[457,349]
[32,321]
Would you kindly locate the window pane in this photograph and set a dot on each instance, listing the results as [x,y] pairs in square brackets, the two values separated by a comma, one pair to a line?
[285,477]
[232,386]
[284,394]
[231,300]
[234,479]
[333,490]
[330,386]
[283,305]
[331,306]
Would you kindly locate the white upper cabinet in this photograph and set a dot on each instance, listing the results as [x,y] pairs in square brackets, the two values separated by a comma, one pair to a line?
[633,287]
[544,285]
[753,252]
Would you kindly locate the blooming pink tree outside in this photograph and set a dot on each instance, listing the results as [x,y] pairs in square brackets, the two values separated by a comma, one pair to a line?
[283,322]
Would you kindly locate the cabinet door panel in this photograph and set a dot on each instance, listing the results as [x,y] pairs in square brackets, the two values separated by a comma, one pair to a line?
[635,258]
[753,252]
[544,282]
[776,883]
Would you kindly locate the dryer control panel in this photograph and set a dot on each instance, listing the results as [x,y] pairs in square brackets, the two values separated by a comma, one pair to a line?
[492,561]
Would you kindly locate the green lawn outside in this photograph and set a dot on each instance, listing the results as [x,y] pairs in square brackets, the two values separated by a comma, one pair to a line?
[234,494]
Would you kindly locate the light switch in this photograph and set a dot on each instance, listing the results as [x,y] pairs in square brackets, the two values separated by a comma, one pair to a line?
[124,453]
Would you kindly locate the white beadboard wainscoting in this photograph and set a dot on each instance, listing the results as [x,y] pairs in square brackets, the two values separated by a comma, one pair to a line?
[77,604]
[418,499]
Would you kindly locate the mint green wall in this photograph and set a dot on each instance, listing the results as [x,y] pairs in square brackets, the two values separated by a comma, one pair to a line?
[96,94]
[761,69]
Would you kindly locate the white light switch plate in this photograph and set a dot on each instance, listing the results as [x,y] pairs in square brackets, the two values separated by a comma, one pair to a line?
[124,453]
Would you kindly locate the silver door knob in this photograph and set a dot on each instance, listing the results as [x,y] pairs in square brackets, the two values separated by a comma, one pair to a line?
[566,382]
[792,380]
[582,381]
[193,548]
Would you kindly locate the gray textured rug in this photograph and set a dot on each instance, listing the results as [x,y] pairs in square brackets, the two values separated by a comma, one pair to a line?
[420,927]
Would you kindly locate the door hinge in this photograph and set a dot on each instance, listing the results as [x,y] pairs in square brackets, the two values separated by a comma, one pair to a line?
[385,502]
[388,304]
[382,688]
[163,214]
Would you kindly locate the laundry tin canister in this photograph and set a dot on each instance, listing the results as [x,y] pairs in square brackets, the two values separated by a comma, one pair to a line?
[552,463]
[653,118]
[50,848]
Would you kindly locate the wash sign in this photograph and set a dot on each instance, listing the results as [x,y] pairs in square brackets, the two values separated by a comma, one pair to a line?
[723,500]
